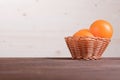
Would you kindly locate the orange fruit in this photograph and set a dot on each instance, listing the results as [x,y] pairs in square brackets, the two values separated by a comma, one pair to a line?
[83,33]
[101,28]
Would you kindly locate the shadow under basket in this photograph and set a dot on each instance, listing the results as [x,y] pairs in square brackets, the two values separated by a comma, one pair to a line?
[88,48]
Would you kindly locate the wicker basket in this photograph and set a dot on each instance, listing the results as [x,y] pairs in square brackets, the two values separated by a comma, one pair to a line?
[88,48]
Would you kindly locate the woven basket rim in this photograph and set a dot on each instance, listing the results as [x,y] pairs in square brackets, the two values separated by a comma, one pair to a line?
[99,38]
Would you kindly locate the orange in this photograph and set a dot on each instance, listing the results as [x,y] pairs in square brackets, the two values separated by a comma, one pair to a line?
[82,33]
[101,28]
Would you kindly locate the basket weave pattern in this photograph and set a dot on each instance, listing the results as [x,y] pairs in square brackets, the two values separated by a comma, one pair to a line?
[87,48]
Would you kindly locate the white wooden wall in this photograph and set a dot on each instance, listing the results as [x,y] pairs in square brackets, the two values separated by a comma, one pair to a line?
[36,28]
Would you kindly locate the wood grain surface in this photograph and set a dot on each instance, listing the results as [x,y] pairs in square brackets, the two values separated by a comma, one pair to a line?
[59,69]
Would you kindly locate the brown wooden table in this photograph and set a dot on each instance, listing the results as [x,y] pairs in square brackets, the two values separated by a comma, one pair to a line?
[59,69]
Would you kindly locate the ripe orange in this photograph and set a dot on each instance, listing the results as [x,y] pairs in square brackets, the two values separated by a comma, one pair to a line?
[101,28]
[82,33]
